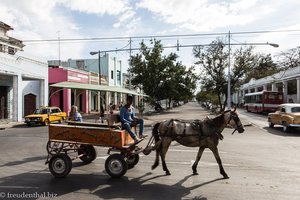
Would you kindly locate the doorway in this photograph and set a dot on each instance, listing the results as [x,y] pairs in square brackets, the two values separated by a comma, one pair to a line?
[29,104]
[3,102]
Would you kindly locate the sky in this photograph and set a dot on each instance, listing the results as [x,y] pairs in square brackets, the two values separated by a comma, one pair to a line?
[82,19]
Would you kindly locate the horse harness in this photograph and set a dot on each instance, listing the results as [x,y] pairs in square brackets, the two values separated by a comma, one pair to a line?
[198,125]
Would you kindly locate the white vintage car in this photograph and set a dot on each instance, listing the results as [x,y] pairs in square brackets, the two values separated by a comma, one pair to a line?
[287,115]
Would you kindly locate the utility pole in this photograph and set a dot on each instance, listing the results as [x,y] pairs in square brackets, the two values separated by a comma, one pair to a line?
[129,73]
[229,86]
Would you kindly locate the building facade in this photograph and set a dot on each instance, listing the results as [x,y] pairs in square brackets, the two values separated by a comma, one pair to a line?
[23,81]
[287,81]
[110,73]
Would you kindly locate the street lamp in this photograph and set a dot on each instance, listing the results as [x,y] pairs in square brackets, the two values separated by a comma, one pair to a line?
[228,83]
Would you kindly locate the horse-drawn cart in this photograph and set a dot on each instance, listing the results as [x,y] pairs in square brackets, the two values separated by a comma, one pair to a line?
[77,140]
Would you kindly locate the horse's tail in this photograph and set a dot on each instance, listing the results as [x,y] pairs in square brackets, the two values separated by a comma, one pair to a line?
[155,132]
[157,146]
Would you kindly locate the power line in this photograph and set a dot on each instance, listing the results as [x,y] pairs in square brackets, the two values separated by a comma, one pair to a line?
[155,36]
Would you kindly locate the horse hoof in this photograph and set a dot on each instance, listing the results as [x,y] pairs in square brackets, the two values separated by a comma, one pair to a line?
[168,173]
[154,166]
[225,177]
[195,173]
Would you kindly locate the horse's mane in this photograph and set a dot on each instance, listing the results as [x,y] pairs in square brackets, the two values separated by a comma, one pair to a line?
[219,120]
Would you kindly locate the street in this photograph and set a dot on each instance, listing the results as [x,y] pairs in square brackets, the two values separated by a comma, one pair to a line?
[262,163]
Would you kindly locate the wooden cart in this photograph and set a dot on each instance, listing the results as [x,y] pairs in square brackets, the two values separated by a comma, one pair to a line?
[80,139]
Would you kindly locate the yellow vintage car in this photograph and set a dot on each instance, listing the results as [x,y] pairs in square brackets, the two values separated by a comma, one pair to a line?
[45,116]
[287,115]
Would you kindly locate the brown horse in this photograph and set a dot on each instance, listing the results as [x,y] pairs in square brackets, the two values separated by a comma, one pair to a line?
[202,134]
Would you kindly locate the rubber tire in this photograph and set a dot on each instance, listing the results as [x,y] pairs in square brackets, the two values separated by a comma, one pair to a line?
[90,153]
[58,161]
[271,125]
[132,160]
[116,166]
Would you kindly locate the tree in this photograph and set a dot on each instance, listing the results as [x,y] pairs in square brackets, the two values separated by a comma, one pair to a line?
[161,76]
[290,58]
[245,64]
[213,60]
[262,66]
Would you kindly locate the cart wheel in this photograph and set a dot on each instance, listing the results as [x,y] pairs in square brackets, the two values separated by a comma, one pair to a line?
[132,160]
[89,153]
[271,125]
[115,165]
[54,148]
[60,165]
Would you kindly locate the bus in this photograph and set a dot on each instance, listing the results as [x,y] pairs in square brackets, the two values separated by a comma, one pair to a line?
[264,101]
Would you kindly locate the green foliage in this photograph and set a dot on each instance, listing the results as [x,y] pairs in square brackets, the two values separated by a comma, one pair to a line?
[245,65]
[161,76]
[212,61]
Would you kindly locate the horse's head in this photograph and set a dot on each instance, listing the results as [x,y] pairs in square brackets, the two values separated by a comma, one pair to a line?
[234,121]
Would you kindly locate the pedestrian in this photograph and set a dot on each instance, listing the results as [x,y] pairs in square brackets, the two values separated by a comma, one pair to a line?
[101,113]
[128,120]
[75,115]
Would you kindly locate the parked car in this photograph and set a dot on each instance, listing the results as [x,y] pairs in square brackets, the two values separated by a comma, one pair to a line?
[287,115]
[45,116]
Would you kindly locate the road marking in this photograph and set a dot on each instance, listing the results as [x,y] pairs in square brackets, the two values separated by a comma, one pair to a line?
[190,163]
[173,150]
[193,151]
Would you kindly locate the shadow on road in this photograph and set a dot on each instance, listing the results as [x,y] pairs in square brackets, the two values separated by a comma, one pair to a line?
[277,130]
[25,160]
[99,185]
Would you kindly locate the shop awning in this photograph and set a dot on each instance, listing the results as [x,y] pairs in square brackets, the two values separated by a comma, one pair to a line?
[84,86]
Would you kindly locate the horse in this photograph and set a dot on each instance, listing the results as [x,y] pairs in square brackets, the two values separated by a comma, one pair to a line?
[199,133]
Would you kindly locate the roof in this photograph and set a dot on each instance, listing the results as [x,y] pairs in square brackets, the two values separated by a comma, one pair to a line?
[85,86]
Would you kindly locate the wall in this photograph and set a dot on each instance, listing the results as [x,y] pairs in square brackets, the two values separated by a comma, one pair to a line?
[20,70]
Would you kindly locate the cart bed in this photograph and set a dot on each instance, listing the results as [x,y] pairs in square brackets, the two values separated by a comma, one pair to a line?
[87,134]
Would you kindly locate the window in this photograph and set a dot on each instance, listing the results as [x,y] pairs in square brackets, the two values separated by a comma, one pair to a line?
[112,74]
[55,110]
[11,50]
[118,75]
[296,109]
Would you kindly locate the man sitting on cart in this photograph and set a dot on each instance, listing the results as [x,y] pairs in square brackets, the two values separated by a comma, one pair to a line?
[128,120]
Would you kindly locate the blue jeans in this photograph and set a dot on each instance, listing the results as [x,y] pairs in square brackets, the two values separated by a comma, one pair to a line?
[127,127]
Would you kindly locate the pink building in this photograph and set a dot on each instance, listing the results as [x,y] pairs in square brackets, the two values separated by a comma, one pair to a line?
[65,98]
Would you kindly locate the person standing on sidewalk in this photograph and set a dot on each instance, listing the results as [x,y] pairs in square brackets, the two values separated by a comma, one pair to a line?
[128,120]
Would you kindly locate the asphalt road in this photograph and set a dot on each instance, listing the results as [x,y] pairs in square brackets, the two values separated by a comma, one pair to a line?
[262,163]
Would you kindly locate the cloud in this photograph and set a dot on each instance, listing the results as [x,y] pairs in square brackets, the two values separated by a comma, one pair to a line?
[100,7]
[202,15]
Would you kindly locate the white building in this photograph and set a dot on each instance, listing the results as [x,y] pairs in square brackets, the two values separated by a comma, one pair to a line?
[281,81]
[23,81]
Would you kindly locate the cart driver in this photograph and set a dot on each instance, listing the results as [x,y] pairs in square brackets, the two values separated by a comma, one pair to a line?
[128,120]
